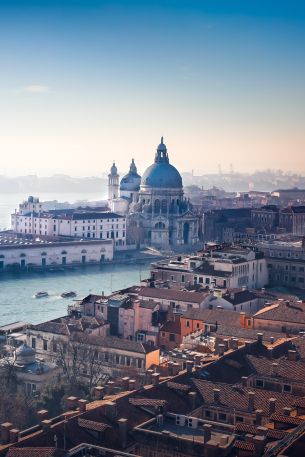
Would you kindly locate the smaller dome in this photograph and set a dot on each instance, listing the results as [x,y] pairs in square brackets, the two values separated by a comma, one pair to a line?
[113,170]
[131,181]
[25,354]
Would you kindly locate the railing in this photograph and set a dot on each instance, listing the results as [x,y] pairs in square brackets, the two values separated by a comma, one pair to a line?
[285,441]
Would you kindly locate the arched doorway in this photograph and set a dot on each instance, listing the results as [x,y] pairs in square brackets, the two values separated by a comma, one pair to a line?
[186,232]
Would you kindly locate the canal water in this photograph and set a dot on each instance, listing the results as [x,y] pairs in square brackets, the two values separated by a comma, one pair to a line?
[17,290]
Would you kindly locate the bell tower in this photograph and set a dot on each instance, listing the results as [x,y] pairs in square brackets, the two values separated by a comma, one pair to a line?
[113,183]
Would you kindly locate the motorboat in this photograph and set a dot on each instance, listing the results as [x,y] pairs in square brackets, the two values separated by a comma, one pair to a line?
[68,294]
[41,294]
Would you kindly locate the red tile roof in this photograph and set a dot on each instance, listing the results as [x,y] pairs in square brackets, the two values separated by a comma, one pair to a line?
[147,402]
[35,452]
[92,425]
[291,420]
[244,445]
[171,294]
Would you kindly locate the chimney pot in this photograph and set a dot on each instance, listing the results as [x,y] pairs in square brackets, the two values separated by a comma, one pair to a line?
[192,400]
[260,338]
[72,402]
[125,383]
[14,435]
[287,411]
[275,369]
[123,423]
[82,405]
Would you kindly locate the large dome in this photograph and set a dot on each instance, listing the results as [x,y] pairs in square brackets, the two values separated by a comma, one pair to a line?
[162,174]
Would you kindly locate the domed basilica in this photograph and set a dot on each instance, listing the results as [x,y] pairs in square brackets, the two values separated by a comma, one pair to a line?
[157,212]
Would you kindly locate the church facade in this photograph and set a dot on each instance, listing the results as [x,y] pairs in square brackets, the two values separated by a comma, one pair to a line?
[156,210]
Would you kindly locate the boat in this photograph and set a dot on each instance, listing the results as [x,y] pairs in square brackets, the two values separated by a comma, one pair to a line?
[68,294]
[41,294]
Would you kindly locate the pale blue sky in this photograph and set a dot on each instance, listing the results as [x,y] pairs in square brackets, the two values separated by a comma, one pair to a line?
[85,82]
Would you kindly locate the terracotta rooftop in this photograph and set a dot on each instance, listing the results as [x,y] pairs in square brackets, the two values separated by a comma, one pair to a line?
[178,386]
[283,311]
[171,294]
[92,425]
[244,445]
[290,420]
[35,452]
[147,402]
[285,369]
[211,316]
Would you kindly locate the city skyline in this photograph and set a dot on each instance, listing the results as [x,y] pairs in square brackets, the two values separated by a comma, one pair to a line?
[85,83]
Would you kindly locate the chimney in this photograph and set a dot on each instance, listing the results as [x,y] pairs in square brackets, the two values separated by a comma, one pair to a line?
[109,387]
[42,414]
[149,374]
[260,338]
[271,339]
[82,405]
[287,411]
[272,403]
[192,400]
[258,417]
[234,343]
[216,395]
[244,380]
[71,403]
[251,397]
[226,344]
[111,410]
[207,429]
[261,430]
[14,435]
[189,366]
[123,423]
[99,392]
[197,359]
[155,379]
[132,384]
[292,355]
[242,318]
[274,371]
[46,424]
[248,346]
[259,443]
[125,383]
[221,349]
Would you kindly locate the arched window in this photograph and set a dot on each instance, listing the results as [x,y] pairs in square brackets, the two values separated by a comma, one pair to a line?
[157,206]
[160,225]
[84,251]
[22,255]
[43,253]
[63,252]
[164,206]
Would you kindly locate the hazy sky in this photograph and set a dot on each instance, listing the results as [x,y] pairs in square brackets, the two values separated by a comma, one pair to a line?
[85,82]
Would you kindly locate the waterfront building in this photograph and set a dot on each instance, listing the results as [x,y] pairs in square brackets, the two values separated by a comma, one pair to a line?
[89,223]
[28,253]
[154,204]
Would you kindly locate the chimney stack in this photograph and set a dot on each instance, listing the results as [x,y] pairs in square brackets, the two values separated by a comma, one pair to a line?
[5,432]
[111,410]
[287,411]
[292,355]
[155,379]
[189,366]
[14,435]
[149,374]
[132,384]
[125,383]
[258,417]
[82,405]
[192,400]
[99,392]
[275,369]
[260,338]
[251,397]
[72,403]
[221,349]
[123,423]
[207,429]
[216,395]
[42,414]
[244,380]
[272,403]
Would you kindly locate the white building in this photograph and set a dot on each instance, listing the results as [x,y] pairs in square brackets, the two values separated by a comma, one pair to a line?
[15,253]
[32,219]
